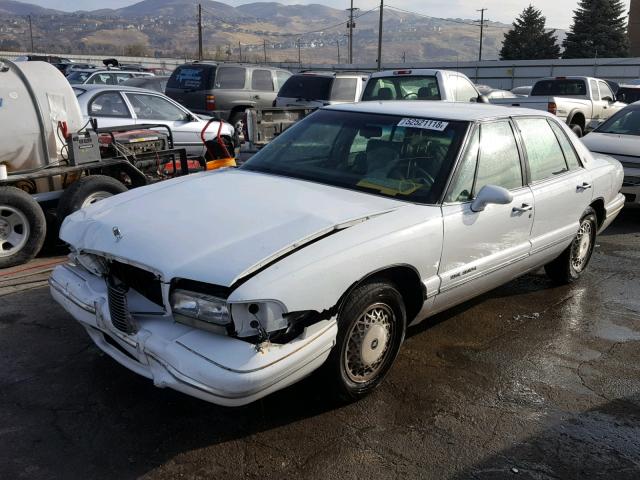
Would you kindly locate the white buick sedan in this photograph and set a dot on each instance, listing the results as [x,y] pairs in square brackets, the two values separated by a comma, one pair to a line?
[355,223]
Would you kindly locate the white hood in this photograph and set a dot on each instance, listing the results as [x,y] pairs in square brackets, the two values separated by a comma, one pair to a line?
[219,226]
[613,144]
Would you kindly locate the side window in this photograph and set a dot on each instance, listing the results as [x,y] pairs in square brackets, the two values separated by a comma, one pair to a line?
[231,77]
[605,91]
[464,91]
[261,80]
[282,77]
[100,79]
[569,153]
[499,162]
[110,104]
[594,89]
[344,89]
[121,77]
[462,184]
[543,150]
[151,107]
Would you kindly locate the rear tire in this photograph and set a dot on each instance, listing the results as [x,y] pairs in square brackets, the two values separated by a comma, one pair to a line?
[87,191]
[568,267]
[577,129]
[23,227]
[371,328]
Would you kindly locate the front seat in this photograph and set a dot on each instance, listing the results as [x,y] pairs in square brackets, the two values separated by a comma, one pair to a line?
[385,93]
[426,93]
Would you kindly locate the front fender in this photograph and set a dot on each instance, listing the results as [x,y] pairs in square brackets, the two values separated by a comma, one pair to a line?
[317,276]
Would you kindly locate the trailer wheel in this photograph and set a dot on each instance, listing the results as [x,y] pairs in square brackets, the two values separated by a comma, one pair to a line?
[87,191]
[23,227]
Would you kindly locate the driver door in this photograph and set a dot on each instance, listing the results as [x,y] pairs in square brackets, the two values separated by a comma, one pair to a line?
[150,108]
[482,250]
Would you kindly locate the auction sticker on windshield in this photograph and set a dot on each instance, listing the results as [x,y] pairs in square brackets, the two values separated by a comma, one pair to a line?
[423,123]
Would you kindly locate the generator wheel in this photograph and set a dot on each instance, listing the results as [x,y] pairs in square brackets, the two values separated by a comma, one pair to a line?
[87,191]
[23,227]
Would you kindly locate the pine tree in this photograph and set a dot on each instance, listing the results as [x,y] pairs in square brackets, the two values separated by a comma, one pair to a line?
[599,29]
[528,39]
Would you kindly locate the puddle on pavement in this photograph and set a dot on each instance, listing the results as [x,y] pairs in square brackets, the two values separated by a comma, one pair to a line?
[608,330]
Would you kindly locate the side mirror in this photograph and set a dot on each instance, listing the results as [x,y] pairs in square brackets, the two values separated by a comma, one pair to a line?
[491,194]
[608,99]
[483,99]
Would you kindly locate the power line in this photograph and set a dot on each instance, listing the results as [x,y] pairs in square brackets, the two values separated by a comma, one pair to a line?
[450,20]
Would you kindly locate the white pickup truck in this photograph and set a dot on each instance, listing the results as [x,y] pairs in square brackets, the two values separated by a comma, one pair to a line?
[582,102]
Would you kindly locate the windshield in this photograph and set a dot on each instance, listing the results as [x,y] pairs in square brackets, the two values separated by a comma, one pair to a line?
[78,77]
[393,156]
[193,77]
[628,95]
[625,122]
[306,87]
[559,87]
[402,88]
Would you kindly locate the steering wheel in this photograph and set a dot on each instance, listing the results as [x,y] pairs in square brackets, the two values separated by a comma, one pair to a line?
[410,94]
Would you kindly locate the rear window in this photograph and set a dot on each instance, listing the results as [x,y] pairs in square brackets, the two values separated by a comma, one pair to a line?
[402,88]
[307,87]
[344,89]
[559,87]
[192,77]
[231,77]
[78,77]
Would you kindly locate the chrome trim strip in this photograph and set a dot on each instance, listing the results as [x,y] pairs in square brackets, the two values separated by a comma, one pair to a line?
[484,273]
[552,244]
[76,301]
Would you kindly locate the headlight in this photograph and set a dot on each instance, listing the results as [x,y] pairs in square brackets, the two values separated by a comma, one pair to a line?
[92,263]
[200,306]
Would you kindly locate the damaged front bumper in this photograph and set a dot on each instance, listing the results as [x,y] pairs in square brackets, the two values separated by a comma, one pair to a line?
[216,368]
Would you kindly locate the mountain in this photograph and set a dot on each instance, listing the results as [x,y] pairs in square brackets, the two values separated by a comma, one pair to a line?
[9,7]
[283,33]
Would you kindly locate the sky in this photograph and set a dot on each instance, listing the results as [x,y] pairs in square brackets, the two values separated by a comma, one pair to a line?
[559,13]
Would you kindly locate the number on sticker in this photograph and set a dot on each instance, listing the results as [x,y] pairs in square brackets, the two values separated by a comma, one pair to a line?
[424,123]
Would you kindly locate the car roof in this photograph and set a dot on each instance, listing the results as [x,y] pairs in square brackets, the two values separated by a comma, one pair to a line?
[96,88]
[110,70]
[210,63]
[462,111]
[414,71]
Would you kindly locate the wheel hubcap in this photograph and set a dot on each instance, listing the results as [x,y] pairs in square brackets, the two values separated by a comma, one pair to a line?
[95,197]
[368,343]
[14,230]
[581,246]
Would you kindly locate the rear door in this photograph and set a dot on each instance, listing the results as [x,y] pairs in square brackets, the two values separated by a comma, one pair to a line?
[263,87]
[482,250]
[560,185]
[149,108]
[231,89]
[189,84]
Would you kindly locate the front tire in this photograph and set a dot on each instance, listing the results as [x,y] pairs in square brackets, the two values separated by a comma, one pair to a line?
[568,267]
[23,227]
[371,328]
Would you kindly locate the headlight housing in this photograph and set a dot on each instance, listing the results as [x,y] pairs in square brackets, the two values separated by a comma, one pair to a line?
[188,306]
[92,263]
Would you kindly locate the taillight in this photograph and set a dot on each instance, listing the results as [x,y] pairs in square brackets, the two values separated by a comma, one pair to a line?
[402,72]
[552,107]
[211,102]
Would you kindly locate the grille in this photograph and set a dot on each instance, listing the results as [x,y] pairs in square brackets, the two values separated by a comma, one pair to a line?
[142,281]
[118,309]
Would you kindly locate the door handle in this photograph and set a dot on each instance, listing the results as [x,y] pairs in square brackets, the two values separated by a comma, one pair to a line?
[583,187]
[524,208]
[256,97]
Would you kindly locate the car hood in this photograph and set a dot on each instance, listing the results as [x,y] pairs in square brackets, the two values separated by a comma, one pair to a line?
[612,144]
[219,226]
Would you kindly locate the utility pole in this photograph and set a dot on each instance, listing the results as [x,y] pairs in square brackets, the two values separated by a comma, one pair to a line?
[240,48]
[264,49]
[482,10]
[31,33]
[228,52]
[404,57]
[380,36]
[351,26]
[338,45]
[200,32]
[299,54]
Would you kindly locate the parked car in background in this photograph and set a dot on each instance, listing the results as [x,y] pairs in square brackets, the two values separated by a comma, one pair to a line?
[103,77]
[122,105]
[628,93]
[581,102]
[523,91]
[358,221]
[316,89]
[620,137]
[493,93]
[43,58]
[421,84]
[156,83]
[226,90]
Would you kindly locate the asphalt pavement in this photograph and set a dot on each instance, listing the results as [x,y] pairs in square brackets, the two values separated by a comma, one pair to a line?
[530,381]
